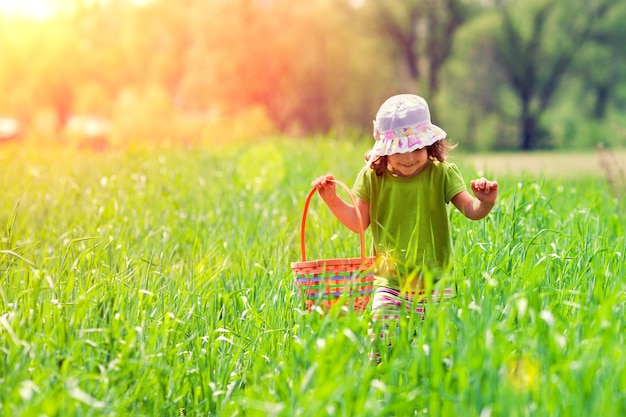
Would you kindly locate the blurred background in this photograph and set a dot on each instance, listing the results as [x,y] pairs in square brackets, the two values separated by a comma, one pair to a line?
[499,75]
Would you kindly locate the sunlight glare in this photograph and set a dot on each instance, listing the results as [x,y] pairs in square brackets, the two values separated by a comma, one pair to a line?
[357,4]
[34,9]
[44,9]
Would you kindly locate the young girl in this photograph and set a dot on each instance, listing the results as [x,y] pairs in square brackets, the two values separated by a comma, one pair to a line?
[402,193]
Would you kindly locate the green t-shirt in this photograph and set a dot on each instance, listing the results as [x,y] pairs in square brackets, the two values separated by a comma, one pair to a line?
[409,219]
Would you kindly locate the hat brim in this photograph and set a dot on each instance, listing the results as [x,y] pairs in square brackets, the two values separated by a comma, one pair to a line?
[393,142]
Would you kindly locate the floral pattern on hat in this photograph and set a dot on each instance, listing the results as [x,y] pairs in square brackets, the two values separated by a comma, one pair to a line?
[403,125]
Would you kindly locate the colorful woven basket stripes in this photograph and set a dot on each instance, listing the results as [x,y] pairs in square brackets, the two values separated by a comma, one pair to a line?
[326,286]
[325,282]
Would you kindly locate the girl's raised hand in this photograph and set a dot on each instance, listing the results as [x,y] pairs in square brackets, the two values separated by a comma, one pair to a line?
[485,190]
[325,186]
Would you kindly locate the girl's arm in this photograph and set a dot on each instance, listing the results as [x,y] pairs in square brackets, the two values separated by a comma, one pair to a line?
[343,211]
[478,207]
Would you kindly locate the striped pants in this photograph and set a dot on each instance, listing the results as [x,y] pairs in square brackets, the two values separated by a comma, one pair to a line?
[389,306]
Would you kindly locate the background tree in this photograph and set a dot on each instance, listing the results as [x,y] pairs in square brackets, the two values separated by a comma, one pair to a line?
[535,57]
[602,65]
[420,34]
[478,105]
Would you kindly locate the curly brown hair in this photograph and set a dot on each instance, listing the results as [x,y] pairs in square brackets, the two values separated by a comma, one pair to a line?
[437,151]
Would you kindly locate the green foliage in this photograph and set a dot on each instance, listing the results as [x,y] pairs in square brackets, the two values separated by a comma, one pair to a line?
[511,63]
[158,283]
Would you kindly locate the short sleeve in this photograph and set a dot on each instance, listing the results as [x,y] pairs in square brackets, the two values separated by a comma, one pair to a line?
[362,188]
[454,182]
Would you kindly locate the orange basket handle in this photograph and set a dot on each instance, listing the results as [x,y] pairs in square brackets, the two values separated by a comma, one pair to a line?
[306,209]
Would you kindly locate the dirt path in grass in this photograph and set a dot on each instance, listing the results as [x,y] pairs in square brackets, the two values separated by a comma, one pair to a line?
[550,164]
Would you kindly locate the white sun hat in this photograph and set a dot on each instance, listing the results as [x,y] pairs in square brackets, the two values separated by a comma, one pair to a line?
[403,125]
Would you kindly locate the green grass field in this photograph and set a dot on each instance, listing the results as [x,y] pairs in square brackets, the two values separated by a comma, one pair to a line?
[158,283]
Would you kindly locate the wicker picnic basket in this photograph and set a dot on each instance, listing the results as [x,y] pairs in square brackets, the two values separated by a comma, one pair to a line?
[325,282]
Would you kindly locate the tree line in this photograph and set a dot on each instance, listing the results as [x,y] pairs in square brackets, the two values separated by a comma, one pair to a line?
[499,74]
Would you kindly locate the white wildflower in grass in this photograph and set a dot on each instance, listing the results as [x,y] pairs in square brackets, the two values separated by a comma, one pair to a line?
[490,280]
[522,306]
[547,317]
[320,343]
[349,333]
[560,340]
[485,412]
[28,389]
[379,385]
[475,307]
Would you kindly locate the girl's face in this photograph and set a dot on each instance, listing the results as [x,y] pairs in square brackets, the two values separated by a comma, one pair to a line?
[408,164]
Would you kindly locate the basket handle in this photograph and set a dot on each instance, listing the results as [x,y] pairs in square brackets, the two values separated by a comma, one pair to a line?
[306,209]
